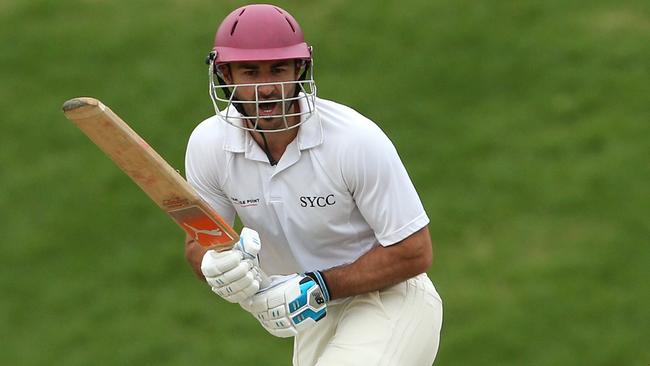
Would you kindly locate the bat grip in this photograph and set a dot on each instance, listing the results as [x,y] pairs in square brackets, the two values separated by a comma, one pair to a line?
[265,281]
[250,252]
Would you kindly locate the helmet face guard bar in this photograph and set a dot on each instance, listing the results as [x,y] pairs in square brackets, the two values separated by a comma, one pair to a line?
[223,97]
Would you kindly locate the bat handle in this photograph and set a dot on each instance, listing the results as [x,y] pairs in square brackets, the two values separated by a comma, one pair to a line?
[250,252]
[265,281]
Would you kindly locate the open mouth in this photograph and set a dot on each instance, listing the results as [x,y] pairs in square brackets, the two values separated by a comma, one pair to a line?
[267,109]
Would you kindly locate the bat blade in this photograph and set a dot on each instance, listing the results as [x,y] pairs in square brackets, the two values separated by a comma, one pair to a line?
[162,183]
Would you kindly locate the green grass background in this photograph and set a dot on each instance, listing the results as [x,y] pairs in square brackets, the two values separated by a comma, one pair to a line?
[524,125]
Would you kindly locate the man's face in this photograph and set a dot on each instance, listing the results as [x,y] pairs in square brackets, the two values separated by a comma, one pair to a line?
[263,72]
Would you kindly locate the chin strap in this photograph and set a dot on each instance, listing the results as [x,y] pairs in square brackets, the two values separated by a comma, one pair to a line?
[266,149]
[305,65]
[241,110]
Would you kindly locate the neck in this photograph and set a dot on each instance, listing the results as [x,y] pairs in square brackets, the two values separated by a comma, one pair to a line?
[275,143]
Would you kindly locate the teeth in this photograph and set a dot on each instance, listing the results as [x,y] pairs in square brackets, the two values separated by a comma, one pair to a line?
[267,106]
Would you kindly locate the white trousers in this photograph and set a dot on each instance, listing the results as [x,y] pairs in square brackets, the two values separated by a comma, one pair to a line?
[397,326]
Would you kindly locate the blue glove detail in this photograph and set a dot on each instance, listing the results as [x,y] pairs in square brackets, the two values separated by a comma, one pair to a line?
[307,287]
[289,305]
[320,280]
[309,314]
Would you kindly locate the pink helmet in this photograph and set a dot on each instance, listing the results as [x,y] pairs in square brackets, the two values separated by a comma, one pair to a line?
[259,32]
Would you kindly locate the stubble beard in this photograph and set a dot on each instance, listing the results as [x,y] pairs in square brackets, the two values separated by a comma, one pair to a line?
[271,123]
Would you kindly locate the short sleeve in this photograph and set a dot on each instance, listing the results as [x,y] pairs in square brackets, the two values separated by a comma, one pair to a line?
[382,189]
[200,164]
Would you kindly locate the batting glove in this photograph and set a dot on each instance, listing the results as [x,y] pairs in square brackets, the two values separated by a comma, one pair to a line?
[289,305]
[235,274]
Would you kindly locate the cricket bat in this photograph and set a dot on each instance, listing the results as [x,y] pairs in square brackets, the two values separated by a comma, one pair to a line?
[164,185]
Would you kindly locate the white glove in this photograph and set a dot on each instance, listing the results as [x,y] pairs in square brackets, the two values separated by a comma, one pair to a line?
[289,305]
[235,274]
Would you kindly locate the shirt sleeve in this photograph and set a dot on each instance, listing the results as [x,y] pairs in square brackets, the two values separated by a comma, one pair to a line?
[200,163]
[382,188]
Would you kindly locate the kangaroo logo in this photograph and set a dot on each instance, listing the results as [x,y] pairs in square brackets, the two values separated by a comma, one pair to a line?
[214,232]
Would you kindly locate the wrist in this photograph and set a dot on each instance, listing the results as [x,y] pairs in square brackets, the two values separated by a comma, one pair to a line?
[318,277]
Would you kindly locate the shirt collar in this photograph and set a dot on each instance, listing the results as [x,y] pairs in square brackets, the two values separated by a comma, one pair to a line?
[310,131]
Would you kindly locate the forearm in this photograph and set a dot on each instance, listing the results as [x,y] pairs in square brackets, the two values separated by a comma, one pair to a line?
[194,254]
[381,267]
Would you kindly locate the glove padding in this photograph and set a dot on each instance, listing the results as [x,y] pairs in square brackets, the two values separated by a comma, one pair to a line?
[289,305]
[234,274]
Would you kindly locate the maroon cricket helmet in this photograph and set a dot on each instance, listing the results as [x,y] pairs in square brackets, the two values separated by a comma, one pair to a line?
[260,32]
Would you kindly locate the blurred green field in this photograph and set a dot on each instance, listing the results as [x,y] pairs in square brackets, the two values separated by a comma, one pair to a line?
[525,126]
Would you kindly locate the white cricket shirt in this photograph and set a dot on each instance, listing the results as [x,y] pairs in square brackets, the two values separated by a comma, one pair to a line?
[339,189]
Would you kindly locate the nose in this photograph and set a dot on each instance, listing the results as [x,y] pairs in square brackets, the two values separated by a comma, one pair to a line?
[267,91]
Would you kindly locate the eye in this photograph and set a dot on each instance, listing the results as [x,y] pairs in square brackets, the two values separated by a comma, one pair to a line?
[250,72]
[279,70]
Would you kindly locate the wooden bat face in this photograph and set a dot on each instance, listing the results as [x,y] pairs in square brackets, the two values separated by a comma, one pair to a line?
[162,183]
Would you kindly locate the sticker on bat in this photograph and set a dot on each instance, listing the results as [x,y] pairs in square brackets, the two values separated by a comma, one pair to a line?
[200,226]
[175,202]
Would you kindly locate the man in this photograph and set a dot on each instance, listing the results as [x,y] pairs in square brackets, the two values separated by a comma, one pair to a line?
[341,227]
